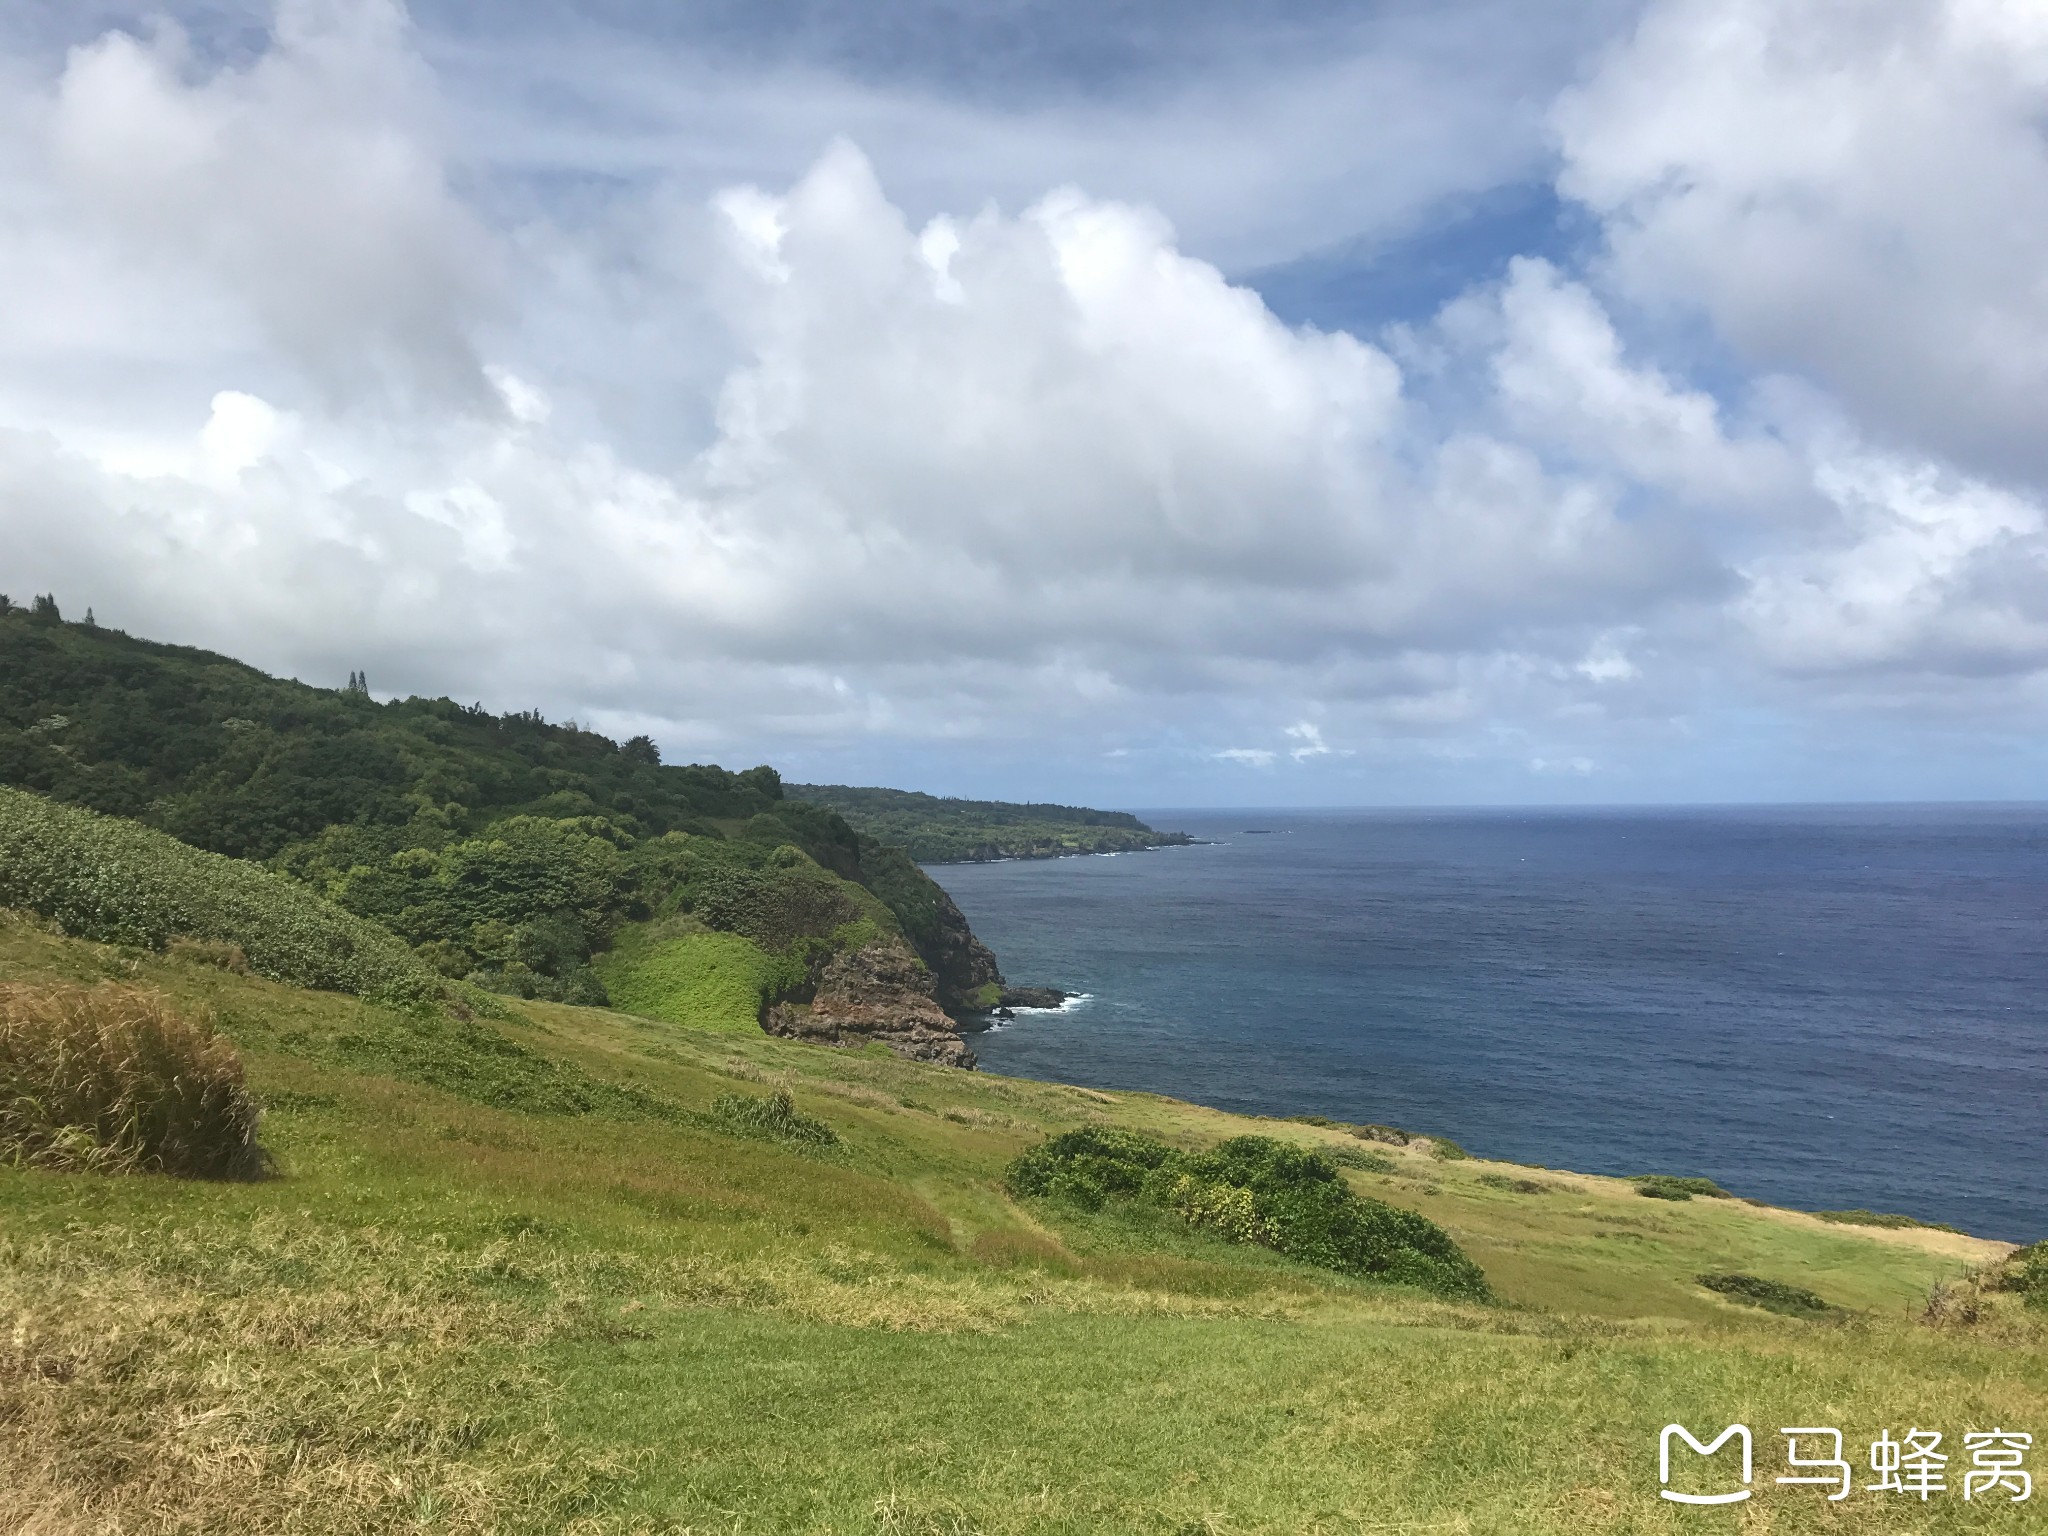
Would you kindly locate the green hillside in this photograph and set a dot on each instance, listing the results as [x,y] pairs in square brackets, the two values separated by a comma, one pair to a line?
[939,830]
[577,1271]
[504,848]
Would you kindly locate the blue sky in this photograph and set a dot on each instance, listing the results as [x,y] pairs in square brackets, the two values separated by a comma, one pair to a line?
[1309,404]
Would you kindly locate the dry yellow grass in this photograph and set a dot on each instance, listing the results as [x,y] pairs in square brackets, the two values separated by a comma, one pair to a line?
[113,1079]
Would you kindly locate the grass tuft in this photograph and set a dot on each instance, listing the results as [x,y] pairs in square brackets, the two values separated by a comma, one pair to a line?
[775,1118]
[111,1079]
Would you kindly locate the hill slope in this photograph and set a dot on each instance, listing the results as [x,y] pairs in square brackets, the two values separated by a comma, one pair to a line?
[530,1276]
[505,848]
[941,830]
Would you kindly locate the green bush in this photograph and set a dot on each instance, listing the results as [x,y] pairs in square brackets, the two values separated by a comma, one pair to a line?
[1089,1167]
[1771,1295]
[1359,1158]
[1252,1189]
[111,1079]
[1671,1186]
[2026,1272]
[775,1118]
[98,877]
[1444,1150]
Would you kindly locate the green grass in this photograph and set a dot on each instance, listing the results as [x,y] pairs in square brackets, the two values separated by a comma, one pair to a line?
[456,1309]
[705,980]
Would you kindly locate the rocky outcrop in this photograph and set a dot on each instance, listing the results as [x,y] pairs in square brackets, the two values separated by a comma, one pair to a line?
[879,992]
[962,969]
[1031,997]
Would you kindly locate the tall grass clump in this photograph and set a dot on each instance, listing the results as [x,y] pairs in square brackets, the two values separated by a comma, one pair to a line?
[119,882]
[1253,1189]
[775,1118]
[112,1079]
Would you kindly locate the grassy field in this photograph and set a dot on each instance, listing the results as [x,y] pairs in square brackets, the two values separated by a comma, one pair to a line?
[510,1277]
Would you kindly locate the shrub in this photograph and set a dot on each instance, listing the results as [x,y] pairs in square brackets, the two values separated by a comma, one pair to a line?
[1444,1150]
[1253,1189]
[1671,1186]
[98,877]
[1088,1167]
[1771,1295]
[1391,1135]
[215,952]
[2026,1272]
[111,1078]
[1358,1157]
[775,1118]
[1513,1185]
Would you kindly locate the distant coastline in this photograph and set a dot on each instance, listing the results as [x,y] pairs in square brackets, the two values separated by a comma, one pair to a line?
[938,829]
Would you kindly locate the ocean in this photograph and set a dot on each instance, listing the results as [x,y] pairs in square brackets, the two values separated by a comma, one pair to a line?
[1823,1008]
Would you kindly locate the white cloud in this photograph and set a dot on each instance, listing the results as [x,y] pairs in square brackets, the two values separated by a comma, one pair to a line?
[789,466]
[1855,191]
[305,185]
[1311,738]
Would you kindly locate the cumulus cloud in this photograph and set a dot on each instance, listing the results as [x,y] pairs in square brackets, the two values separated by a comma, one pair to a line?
[305,183]
[1856,192]
[989,476]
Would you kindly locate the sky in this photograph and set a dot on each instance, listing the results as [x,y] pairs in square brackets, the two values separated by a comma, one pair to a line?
[1141,403]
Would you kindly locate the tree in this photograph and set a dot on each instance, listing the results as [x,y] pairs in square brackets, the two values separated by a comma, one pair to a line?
[45,609]
[641,749]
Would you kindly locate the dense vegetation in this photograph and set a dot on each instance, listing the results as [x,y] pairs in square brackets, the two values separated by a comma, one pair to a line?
[1252,1189]
[100,877]
[504,848]
[940,830]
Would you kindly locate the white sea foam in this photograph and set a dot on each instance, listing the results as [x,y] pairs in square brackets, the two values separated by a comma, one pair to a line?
[1066,1006]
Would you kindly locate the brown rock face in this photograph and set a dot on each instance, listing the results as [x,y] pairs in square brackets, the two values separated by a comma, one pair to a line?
[879,992]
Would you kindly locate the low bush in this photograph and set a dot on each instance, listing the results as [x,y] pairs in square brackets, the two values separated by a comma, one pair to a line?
[1444,1150]
[111,1079]
[1359,1158]
[1862,1218]
[775,1118]
[1513,1185]
[1252,1189]
[214,952]
[1771,1295]
[1391,1135]
[2026,1272]
[1671,1186]
[119,882]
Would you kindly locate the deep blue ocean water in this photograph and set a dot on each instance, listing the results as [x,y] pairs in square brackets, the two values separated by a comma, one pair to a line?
[1825,1008]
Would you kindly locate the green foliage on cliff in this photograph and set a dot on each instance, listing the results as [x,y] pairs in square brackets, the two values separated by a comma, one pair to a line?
[938,830]
[503,847]
[705,980]
[100,877]
[1253,1189]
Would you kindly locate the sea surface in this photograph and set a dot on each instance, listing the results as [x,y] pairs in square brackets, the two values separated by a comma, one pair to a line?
[1824,1008]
